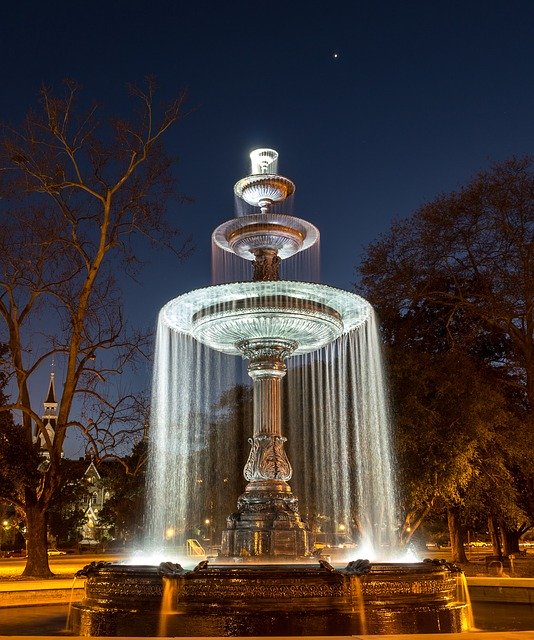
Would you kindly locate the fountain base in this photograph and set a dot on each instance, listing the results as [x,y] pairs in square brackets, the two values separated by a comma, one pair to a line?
[266,524]
[268,600]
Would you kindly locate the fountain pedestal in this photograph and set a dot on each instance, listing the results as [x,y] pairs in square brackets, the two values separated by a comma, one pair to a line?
[267,521]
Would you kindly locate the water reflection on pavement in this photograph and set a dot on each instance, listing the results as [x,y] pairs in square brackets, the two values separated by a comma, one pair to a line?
[494,616]
[51,619]
[43,620]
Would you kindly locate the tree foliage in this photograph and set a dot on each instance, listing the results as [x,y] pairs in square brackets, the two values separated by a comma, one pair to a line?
[454,287]
[470,253]
[123,514]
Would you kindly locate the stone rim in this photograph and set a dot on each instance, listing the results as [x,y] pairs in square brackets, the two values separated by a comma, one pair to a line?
[255,303]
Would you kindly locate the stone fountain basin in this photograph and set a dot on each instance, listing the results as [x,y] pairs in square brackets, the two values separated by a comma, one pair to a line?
[268,600]
[308,314]
[283,233]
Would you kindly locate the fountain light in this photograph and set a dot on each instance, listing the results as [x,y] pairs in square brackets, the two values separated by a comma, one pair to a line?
[264,187]
[264,161]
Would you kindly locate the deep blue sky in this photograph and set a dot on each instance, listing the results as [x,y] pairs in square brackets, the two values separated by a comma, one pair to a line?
[422,95]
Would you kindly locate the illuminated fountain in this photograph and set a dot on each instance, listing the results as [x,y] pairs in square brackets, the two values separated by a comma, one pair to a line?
[241,592]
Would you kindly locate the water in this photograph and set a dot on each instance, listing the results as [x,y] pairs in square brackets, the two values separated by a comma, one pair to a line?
[336,419]
[339,426]
[462,595]
[227,267]
[47,620]
[194,452]
[492,616]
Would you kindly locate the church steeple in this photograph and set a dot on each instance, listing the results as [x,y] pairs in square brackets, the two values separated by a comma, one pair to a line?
[50,402]
[49,416]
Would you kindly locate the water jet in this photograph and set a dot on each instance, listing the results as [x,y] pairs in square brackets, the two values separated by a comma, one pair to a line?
[266,579]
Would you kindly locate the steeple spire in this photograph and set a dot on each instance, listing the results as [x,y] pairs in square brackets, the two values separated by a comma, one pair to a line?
[50,402]
[49,416]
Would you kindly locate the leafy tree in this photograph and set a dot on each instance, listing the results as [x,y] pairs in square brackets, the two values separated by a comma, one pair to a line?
[76,190]
[66,514]
[470,253]
[454,285]
[443,429]
[125,480]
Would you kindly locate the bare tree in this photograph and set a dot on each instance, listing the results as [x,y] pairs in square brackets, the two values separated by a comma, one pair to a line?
[76,190]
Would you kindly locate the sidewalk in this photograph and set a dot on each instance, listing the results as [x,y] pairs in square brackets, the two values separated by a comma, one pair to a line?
[16,593]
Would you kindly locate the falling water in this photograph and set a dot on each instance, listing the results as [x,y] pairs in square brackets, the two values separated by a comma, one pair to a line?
[462,595]
[191,460]
[339,441]
[336,424]
[243,208]
[228,267]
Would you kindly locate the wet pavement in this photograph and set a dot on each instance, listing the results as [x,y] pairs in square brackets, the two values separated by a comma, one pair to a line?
[41,620]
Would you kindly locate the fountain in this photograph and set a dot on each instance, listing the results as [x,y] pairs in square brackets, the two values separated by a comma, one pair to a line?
[266,579]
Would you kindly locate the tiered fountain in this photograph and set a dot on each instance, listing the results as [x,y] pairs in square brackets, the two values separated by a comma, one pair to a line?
[266,580]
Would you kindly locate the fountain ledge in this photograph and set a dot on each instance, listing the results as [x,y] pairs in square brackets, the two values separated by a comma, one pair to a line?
[36,592]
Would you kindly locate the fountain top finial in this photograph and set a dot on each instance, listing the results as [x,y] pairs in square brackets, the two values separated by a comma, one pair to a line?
[264,187]
[263,161]
[265,238]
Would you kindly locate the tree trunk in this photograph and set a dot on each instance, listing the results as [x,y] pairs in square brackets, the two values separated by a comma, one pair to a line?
[457,535]
[494,535]
[510,540]
[36,543]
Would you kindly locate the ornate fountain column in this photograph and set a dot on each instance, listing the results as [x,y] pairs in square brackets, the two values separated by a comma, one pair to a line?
[267,521]
[267,460]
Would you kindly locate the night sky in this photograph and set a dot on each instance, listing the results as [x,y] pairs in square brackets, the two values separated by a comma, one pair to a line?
[374,107]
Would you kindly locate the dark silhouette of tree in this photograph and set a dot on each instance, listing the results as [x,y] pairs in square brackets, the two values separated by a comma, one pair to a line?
[470,253]
[454,287]
[224,457]
[125,478]
[66,512]
[76,190]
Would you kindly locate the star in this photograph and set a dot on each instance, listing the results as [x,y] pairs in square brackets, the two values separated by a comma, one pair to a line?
[335,55]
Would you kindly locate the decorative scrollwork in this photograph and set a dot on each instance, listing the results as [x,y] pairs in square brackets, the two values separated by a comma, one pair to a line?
[267,459]
[171,569]
[267,351]
[439,562]
[358,567]
[92,568]
[266,266]
[264,589]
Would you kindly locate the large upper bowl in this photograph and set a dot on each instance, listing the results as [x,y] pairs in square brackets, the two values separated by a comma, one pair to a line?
[312,315]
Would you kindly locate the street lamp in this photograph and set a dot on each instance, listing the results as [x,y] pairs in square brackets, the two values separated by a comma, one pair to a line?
[207,522]
[169,533]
